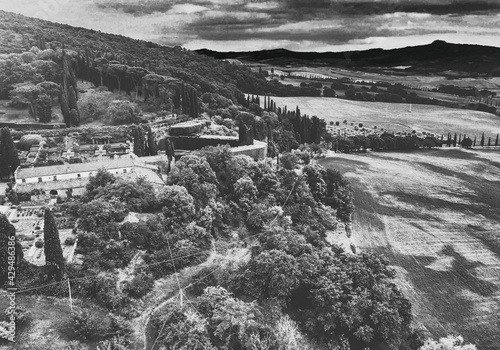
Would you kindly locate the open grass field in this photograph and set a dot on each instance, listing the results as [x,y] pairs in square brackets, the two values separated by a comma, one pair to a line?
[428,81]
[396,116]
[436,215]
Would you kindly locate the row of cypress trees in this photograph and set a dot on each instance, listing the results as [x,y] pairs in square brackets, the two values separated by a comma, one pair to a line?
[463,139]
[306,129]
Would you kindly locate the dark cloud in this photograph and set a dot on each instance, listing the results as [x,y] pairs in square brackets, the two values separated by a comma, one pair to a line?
[331,35]
[145,7]
[296,24]
[136,8]
[365,7]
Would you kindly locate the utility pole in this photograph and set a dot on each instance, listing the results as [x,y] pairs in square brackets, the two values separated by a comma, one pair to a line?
[70,298]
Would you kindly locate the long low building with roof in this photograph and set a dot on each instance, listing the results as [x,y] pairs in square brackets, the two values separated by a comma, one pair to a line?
[55,180]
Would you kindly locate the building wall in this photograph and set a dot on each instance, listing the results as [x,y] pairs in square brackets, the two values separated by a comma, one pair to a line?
[70,176]
[191,143]
[257,151]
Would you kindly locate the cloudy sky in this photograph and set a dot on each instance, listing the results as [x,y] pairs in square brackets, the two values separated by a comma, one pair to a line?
[301,25]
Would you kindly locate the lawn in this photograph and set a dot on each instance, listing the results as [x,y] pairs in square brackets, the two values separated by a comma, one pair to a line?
[436,215]
[396,116]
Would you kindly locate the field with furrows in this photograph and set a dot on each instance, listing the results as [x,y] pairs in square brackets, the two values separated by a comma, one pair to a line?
[436,215]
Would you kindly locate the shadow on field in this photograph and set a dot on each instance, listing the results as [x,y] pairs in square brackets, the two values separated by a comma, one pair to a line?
[344,165]
[486,192]
[443,290]
[366,205]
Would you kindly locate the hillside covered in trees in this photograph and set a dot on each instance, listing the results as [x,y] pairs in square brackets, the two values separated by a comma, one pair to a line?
[19,33]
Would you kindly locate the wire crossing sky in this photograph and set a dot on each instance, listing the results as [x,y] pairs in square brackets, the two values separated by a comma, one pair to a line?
[300,25]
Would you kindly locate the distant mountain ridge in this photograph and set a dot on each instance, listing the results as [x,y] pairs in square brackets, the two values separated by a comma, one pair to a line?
[434,57]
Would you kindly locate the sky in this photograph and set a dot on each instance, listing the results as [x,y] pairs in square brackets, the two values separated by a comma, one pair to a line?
[299,25]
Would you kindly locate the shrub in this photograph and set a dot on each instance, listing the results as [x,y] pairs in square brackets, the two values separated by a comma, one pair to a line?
[122,112]
[39,244]
[27,141]
[115,343]
[69,241]
[140,285]
[86,325]
[20,313]
[93,105]
[353,248]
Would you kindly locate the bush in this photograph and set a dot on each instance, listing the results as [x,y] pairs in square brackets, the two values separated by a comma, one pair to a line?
[122,112]
[86,325]
[115,343]
[140,285]
[27,141]
[69,241]
[93,105]
[20,313]
[39,244]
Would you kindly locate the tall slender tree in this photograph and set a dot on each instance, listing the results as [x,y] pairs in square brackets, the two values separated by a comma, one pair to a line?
[6,232]
[8,154]
[53,252]
[139,141]
[482,140]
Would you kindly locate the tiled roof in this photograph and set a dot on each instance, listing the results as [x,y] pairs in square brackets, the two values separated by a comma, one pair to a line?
[74,168]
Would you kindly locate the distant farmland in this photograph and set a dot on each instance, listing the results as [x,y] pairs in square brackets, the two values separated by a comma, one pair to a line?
[436,215]
[396,116]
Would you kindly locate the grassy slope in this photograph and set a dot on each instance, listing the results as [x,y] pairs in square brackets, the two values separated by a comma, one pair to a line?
[396,116]
[436,215]
[49,321]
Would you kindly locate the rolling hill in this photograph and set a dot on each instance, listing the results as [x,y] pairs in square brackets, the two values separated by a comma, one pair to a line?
[438,56]
[19,33]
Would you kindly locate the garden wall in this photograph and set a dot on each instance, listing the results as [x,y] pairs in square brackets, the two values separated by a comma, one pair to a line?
[191,143]
[257,151]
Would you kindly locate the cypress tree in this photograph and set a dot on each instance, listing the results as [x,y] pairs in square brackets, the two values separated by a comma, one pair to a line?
[8,153]
[474,141]
[7,231]
[53,252]
[194,104]
[177,99]
[69,92]
[496,141]
[139,141]
[489,141]
[482,140]
[183,100]
[153,150]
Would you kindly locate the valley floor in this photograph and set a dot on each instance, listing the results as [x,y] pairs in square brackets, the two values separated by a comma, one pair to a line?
[436,215]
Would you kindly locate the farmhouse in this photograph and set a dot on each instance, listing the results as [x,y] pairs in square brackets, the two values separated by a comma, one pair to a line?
[55,180]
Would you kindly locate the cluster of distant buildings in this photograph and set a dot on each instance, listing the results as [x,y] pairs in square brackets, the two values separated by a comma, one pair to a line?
[81,161]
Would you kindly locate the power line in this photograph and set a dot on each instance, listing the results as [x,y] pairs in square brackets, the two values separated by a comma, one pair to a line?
[172,259]
[160,262]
